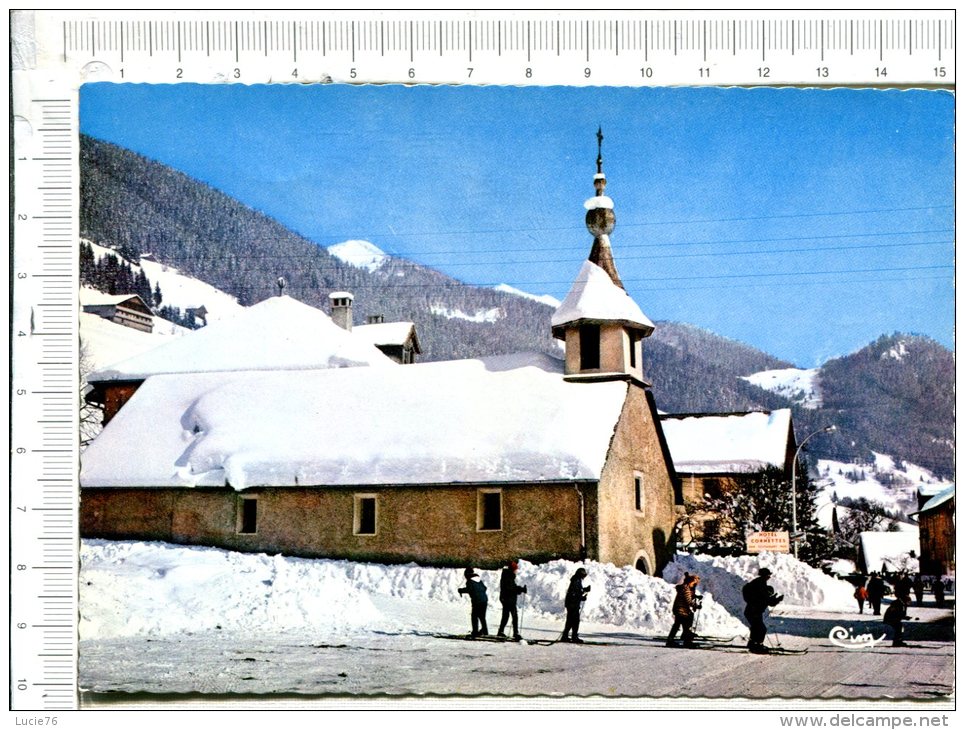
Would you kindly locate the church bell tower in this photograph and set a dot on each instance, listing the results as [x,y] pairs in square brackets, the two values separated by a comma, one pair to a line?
[603,328]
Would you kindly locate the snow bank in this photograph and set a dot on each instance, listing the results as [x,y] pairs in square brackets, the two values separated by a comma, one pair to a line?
[618,596]
[803,587]
[133,589]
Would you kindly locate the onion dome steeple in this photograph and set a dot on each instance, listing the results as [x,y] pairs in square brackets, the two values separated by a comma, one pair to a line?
[602,326]
[600,218]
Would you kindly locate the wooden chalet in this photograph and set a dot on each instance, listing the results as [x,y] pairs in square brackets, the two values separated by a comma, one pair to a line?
[936,531]
[715,453]
[128,310]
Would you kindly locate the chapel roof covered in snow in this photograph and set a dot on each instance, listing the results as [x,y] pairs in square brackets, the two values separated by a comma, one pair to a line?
[504,419]
[728,443]
[279,333]
[595,298]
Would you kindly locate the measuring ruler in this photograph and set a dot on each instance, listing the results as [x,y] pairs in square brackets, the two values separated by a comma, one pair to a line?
[55,52]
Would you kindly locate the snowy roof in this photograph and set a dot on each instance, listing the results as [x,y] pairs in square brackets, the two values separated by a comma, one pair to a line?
[728,443]
[385,333]
[501,419]
[92,297]
[888,550]
[595,297]
[938,500]
[279,333]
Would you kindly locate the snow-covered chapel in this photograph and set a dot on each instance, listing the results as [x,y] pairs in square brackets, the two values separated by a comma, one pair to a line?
[347,455]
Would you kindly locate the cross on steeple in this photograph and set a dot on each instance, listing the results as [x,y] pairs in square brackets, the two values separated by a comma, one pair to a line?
[599,149]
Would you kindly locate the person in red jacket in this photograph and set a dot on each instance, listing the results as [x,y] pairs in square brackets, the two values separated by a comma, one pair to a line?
[861,595]
[684,607]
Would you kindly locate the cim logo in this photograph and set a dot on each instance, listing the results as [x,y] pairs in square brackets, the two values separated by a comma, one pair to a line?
[846,639]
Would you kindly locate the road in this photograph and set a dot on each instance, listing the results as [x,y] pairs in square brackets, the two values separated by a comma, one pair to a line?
[414,658]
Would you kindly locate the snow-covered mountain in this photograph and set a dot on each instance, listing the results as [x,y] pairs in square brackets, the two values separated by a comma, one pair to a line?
[546,299]
[493,314]
[798,386]
[178,289]
[893,484]
[360,254]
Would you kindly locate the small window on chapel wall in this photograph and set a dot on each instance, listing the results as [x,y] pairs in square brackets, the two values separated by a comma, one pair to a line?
[489,510]
[589,347]
[366,515]
[638,492]
[248,515]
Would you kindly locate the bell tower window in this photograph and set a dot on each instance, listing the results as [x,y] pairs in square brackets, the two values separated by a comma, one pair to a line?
[589,347]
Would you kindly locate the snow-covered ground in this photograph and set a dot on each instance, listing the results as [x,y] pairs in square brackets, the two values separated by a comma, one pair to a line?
[483,315]
[180,290]
[162,618]
[800,386]
[360,254]
[803,587]
[882,481]
[146,589]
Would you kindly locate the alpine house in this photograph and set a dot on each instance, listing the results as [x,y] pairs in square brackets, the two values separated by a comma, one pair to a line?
[447,463]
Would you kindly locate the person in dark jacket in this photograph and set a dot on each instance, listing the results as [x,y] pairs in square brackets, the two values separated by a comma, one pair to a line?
[894,615]
[478,600]
[508,593]
[919,587]
[903,587]
[684,607]
[575,595]
[759,596]
[876,591]
[938,588]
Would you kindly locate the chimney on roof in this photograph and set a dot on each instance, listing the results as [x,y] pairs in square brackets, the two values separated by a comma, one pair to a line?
[342,309]
[375,319]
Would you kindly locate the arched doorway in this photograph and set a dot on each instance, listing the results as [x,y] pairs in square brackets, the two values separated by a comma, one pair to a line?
[642,565]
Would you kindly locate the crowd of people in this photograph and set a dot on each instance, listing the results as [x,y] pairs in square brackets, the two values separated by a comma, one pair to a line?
[757,593]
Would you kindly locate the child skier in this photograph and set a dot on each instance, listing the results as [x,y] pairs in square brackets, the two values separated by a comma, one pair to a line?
[478,601]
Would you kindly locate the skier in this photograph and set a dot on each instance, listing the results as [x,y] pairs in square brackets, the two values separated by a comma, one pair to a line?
[919,587]
[876,591]
[508,593]
[903,587]
[894,615]
[478,601]
[759,596]
[575,596]
[684,606]
[861,595]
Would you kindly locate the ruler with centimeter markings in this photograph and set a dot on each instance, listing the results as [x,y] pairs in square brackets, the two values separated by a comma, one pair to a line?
[54,52]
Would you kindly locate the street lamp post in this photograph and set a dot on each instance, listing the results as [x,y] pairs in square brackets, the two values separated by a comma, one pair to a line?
[826,429]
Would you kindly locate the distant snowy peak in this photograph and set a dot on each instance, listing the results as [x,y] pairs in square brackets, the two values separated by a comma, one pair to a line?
[360,254]
[799,386]
[542,299]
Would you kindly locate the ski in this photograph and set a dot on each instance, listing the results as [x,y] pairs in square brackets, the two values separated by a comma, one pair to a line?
[487,637]
[782,650]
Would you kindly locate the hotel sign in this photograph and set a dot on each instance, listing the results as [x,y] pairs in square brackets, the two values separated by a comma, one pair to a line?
[772,542]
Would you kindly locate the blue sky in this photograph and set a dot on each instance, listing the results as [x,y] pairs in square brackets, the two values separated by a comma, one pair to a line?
[805,222]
